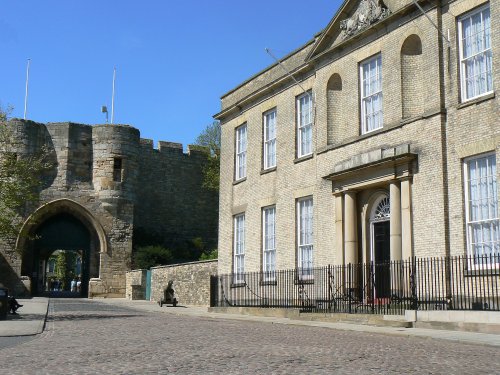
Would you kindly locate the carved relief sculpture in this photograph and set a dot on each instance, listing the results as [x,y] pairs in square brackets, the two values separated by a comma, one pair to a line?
[368,12]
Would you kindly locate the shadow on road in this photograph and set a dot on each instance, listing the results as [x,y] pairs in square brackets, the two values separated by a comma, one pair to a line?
[73,317]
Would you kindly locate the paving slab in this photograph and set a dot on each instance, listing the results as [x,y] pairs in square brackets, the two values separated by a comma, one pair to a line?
[30,319]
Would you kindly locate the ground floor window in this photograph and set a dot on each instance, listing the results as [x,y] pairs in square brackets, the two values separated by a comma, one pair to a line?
[239,247]
[482,221]
[269,243]
[305,237]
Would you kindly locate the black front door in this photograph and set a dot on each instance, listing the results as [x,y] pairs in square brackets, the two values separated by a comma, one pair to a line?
[382,250]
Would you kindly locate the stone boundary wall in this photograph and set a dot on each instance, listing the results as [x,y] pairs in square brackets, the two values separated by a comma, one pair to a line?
[135,284]
[191,282]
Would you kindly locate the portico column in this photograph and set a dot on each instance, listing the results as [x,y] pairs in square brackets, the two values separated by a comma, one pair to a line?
[406,230]
[395,223]
[339,228]
[350,228]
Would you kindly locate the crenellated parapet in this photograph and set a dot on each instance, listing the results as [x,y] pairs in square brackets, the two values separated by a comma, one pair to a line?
[172,148]
[120,181]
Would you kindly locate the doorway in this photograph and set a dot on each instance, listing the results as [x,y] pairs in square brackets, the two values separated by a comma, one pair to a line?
[60,257]
[382,253]
[380,246]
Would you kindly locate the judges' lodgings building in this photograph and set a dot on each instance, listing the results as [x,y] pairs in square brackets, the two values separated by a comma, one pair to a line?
[380,143]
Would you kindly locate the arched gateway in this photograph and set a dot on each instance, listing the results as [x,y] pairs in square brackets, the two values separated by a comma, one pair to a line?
[59,226]
[105,183]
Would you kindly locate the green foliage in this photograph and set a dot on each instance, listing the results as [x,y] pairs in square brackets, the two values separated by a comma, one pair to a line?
[210,138]
[214,254]
[20,176]
[146,257]
[65,264]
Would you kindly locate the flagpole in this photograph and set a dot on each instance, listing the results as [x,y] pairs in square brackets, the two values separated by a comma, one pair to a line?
[113,96]
[27,85]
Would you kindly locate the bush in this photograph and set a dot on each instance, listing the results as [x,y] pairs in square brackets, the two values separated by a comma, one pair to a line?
[214,254]
[146,257]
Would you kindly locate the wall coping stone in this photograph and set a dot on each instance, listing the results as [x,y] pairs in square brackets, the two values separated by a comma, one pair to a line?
[184,264]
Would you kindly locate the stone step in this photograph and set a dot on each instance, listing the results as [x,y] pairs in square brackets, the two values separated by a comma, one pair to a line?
[367,319]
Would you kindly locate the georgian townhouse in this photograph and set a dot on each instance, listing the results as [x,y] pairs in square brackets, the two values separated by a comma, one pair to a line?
[375,141]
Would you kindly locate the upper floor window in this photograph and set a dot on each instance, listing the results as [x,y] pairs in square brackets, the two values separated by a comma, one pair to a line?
[304,123]
[371,94]
[475,53]
[270,139]
[269,243]
[305,237]
[239,247]
[483,232]
[241,152]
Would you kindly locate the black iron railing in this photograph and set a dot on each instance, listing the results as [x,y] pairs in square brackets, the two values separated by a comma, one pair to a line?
[459,283]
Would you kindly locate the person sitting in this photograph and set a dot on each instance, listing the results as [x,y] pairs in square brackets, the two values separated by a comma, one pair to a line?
[13,305]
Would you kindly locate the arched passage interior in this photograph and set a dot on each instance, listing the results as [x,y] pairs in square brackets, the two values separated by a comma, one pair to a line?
[61,225]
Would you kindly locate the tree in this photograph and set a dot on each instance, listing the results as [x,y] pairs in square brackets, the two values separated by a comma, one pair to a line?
[213,254]
[150,256]
[210,138]
[20,176]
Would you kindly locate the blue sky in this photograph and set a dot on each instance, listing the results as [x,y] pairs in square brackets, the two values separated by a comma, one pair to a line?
[174,59]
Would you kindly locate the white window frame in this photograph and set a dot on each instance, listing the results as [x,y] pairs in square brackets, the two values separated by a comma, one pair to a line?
[367,99]
[269,120]
[480,54]
[269,243]
[305,128]
[305,238]
[493,217]
[239,248]
[241,153]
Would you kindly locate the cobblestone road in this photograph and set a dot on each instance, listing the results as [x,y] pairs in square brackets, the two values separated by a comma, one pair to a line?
[91,337]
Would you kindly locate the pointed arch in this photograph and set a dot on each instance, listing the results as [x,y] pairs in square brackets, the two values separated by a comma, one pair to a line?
[55,207]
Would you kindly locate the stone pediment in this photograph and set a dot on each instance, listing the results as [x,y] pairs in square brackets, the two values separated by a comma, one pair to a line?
[353,17]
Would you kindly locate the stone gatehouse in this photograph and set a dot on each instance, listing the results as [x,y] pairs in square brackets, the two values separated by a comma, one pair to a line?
[107,186]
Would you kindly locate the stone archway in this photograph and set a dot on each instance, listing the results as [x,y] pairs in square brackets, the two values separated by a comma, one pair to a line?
[62,224]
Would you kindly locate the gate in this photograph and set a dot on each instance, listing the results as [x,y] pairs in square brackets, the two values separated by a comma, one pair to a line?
[148,285]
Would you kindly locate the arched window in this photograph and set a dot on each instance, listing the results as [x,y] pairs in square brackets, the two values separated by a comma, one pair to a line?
[381,209]
[411,77]
[334,108]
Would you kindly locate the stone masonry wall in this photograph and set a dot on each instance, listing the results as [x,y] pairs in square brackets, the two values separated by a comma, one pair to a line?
[294,178]
[191,281]
[173,203]
[135,288]
[108,179]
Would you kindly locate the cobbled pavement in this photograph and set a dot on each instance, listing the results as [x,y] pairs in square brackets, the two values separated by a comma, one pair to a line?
[91,337]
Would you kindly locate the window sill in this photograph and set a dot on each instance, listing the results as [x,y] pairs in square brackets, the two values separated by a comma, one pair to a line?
[493,270]
[303,158]
[268,170]
[239,181]
[268,282]
[477,100]
[303,281]
[239,284]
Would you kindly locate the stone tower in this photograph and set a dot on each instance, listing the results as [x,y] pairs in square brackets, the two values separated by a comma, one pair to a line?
[106,181]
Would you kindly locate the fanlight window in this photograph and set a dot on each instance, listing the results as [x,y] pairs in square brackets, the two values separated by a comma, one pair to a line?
[383,210]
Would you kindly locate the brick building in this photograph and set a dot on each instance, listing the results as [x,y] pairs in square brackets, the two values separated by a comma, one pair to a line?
[108,186]
[381,144]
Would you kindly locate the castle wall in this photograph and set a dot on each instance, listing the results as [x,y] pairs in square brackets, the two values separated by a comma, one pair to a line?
[106,177]
[170,181]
